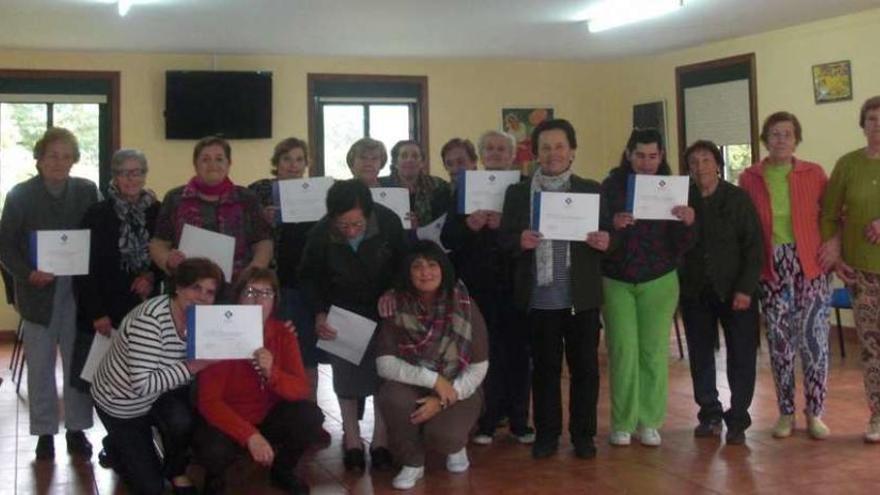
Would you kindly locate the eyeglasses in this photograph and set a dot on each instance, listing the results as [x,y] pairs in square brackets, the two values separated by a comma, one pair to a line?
[359,224]
[254,293]
[136,173]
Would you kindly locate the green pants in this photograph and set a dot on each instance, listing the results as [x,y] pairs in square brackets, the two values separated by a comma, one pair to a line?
[637,321]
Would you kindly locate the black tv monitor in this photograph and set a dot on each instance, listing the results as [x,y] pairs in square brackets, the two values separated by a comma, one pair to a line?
[234,105]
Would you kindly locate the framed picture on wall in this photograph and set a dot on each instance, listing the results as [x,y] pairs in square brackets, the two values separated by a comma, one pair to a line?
[832,82]
[520,122]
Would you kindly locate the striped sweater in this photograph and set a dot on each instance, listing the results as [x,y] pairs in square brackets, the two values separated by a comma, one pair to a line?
[145,360]
[806,184]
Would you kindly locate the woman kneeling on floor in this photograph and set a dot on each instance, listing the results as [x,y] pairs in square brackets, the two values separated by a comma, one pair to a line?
[433,354]
[261,405]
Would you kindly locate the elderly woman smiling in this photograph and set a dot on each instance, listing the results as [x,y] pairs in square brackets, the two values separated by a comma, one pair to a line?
[429,195]
[211,201]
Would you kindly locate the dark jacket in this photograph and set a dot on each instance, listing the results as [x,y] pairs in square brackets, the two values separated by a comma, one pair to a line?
[331,273]
[646,250]
[479,260]
[29,207]
[106,290]
[586,278]
[729,250]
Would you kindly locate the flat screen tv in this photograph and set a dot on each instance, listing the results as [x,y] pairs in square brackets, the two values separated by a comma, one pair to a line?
[234,105]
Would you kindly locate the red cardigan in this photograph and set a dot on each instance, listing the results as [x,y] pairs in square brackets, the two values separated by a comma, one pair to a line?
[806,184]
[231,397]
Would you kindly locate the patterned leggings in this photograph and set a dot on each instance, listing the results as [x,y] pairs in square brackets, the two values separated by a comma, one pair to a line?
[796,311]
[866,306]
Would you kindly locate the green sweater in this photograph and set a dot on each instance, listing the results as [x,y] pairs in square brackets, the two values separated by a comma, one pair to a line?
[853,199]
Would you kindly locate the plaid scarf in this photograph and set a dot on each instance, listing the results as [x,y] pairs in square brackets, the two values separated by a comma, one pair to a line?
[439,337]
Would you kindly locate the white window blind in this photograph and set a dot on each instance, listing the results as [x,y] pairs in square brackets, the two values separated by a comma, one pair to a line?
[718,112]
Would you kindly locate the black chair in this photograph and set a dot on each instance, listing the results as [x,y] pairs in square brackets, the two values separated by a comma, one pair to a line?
[16,362]
[840,299]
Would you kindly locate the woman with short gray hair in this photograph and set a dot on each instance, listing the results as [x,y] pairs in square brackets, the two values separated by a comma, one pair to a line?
[121,275]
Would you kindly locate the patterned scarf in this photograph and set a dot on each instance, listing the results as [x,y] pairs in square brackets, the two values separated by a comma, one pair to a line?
[230,215]
[544,251]
[134,240]
[439,337]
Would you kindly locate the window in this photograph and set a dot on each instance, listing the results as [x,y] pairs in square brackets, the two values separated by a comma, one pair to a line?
[717,100]
[86,103]
[345,108]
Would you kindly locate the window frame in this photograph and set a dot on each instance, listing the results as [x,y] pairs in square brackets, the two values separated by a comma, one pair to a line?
[104,83]
[363,89]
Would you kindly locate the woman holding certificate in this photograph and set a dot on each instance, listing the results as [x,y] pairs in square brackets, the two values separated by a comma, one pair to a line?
[641,292]
[143,382]
[51,200]
[349,261]
[365,159]
[263,406]
[795,291]
[487,271]
[558,283]
[854,187]
[211,201]
[429,195]
[290,161]
[433,354]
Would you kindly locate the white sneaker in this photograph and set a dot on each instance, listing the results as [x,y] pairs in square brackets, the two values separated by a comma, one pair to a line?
[458,462]
[620,438]
[482,439]
[526,438]
[407,477]
[650,437]
[872,434]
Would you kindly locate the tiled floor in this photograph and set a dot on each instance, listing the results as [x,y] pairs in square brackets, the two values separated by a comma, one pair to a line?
[843,464]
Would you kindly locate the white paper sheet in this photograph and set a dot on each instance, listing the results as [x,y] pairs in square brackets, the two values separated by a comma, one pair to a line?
[652,197]
[353,334]
[432,231]
[303,200]
[224,331]
[485,189]
[219,248]
[61,252]
[100,346]
[396,199]
[566,216]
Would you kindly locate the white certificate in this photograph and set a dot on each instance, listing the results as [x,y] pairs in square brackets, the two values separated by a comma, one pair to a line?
[432,231]
[396,199]
[652,197]
[61,252]
[232,331]
[302,200]
[484,189]
[353,334]
[565,216]
[100,346]
[196,242]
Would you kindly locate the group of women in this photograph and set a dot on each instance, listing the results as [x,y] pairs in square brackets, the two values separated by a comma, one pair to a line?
[503,295]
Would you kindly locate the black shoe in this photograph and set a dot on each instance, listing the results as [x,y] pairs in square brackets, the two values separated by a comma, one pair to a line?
[707,429]
[289,483]
[544,448]
[184,490]
[735,435]
[585,449]
[380,459]
[45,448]
[354,459]
[78,444]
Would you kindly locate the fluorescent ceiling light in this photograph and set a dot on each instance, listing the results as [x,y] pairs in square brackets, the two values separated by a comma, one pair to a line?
[609,14]
[124,6]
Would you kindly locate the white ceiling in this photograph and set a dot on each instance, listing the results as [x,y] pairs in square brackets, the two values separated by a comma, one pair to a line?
[547,29]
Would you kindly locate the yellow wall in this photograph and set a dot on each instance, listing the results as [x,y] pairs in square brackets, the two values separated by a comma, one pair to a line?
[466,95]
